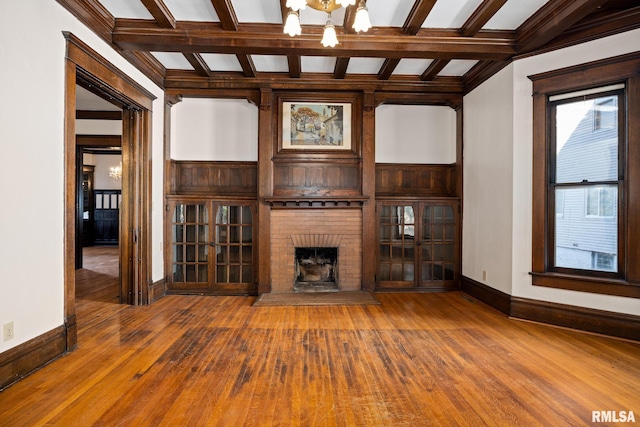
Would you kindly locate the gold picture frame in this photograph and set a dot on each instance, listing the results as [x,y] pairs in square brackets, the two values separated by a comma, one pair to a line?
[316,125]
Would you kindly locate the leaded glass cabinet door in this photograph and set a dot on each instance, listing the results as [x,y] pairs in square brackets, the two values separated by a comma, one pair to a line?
[190,246]
[397,246]
[438,259]
[234,266]
[418,245]
[211,246]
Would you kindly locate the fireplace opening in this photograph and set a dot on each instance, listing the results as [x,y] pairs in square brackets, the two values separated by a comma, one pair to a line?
[316,270]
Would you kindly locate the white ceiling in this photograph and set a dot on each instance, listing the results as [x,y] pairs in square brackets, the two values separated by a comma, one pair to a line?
[88,101]
[383,13]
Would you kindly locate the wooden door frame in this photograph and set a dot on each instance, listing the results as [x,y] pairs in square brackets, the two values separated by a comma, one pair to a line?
[84,63]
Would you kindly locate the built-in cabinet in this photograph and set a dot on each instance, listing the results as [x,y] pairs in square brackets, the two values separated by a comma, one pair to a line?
[418,245]
[211,247]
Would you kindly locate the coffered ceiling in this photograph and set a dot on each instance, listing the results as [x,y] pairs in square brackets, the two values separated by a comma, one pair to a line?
[427,46]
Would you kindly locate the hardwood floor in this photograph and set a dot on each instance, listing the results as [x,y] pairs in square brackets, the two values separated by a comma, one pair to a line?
[414,360]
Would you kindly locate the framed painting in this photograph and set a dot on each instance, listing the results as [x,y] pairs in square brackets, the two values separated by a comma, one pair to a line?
[316,126]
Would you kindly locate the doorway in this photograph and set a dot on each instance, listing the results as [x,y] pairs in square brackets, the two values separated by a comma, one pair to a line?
[110,83]
[99,169]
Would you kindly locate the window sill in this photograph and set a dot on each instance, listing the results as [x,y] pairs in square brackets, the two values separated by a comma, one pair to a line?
[596,285]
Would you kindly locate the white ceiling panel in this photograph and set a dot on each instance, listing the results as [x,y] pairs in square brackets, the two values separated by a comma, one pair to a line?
[412,66]
[221,61]
[86,100]
[450,13]
[192,10]
[318,64]
[385,13]
[270,63]
[173,60]
[364,65]
[263,11]
[458,67]
[127,9]
[513,14]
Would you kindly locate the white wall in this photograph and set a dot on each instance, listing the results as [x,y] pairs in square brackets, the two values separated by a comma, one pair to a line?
[488,171]
[522,145]
[214,129]
[98,127]
[415,134]
[32,176]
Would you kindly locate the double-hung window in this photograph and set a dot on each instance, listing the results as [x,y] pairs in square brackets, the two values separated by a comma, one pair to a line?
[586,178]
[586,142]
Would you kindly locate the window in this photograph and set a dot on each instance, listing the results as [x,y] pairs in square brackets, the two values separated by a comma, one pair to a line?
[586,178]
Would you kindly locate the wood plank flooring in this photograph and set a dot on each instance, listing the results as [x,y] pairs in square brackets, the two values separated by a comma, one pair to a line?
[415,360]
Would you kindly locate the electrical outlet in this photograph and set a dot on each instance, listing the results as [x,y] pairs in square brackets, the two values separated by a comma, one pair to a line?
[7,331]
[484,275]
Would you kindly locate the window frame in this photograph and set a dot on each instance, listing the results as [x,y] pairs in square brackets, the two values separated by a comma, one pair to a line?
[616,70]
[553,185]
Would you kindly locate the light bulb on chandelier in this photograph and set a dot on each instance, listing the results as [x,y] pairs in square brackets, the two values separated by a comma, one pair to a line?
[329,36]
[292,27]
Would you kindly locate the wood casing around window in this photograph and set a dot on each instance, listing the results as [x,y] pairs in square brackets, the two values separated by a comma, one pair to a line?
[600,73]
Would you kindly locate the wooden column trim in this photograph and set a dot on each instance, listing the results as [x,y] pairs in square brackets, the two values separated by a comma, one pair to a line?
[267,116]
[70,204]
[368,144]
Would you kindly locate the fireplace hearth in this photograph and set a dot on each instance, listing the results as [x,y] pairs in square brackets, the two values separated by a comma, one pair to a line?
[316,269]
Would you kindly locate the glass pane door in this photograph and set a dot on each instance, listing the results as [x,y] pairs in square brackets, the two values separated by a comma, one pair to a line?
[438,244]
[233,247]
[190,244]
[418,246]
[397,246]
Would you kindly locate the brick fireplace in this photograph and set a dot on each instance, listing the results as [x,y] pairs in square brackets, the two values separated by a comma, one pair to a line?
[316,228]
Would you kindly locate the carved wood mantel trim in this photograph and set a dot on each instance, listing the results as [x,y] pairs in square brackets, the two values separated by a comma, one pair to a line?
[315,202]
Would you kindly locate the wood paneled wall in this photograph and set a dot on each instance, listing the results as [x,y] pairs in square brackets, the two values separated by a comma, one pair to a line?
[308,179]
[413,180]
[214,178]
[317,178]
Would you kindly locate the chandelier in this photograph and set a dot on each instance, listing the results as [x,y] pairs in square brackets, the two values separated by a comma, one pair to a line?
[329,37]
[115,172]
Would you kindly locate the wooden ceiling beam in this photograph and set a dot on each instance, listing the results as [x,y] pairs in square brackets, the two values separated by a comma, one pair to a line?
[181,81]
[387,68]
[434,68]
[480,17]
[198,64]
[98,115]
[340,69]
[160,13]
[381,44]
[417,16]
[598,25]
[295,66]
[226,14]
[551,20]
[349,18]
[470,28]
[248,68]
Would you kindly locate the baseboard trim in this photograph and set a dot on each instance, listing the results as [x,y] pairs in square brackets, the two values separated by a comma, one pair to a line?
[585,319]
[157,290]
[580,318]
[18,362]
[497,299]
